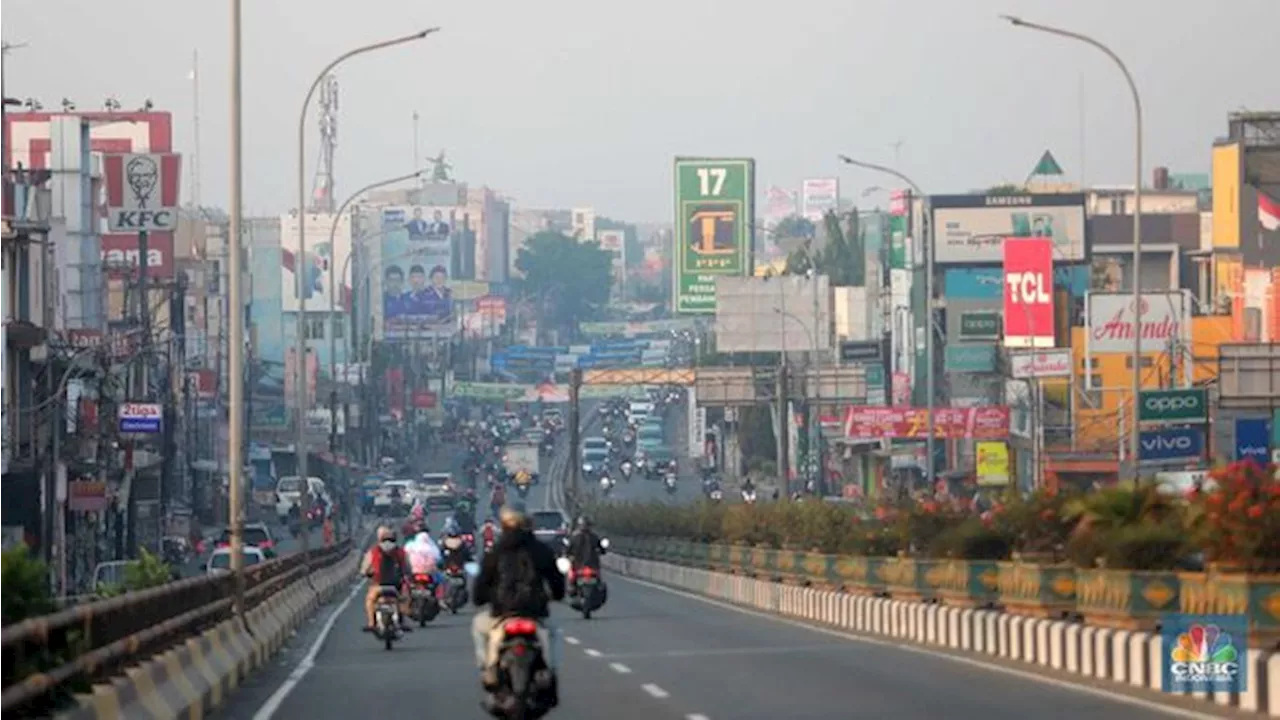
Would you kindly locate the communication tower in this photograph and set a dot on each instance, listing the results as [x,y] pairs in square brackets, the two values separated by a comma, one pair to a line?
[322,187]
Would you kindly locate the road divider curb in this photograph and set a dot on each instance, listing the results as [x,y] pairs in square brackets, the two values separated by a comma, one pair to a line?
[198,676]
[1131,658]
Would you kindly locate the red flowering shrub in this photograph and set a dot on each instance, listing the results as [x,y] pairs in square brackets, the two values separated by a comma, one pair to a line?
[1238,523]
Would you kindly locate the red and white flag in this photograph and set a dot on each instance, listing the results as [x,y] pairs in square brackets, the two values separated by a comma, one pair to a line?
[1268,212]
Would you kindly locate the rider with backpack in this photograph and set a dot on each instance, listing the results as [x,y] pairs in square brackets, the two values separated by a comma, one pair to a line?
[519,578]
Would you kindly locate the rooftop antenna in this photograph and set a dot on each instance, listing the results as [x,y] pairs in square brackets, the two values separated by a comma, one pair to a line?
[322,186]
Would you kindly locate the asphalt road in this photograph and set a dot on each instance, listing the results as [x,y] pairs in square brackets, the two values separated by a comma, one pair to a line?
[652,653]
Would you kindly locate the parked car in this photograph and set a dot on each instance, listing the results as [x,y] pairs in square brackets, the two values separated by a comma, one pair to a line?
[256,535]
[220,561]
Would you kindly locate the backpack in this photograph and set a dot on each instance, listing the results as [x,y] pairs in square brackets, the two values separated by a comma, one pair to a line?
[519,586]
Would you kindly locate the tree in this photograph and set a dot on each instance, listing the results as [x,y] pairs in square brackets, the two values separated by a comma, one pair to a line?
[794,226]
[844,259]
[568,281]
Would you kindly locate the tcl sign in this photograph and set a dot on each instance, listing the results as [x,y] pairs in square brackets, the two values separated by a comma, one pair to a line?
[1028,293]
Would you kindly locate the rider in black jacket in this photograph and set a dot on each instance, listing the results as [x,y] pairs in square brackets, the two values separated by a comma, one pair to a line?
[518,578]
[584,545]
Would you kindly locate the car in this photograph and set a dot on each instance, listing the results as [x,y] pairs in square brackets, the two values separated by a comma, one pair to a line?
[220,561]
[550,526]
[255,534]
[437,491]
[289,493]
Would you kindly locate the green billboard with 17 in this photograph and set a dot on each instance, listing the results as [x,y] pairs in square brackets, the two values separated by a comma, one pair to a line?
[715,214]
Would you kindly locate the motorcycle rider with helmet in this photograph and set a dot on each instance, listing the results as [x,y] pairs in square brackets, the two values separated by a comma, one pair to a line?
[454,553]
[584,549]
[386,564]
[519,578]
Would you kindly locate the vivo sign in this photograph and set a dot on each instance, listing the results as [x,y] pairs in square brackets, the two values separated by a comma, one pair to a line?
[1112,327]
[1171,445]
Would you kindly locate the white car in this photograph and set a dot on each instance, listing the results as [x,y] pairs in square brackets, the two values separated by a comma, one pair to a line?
[220,561]
[289,493]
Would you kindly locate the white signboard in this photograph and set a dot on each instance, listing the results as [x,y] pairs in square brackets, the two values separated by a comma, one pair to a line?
[697,423]
[142,191]
[1040,364]
[970,229]
[821,195]
[1166,322]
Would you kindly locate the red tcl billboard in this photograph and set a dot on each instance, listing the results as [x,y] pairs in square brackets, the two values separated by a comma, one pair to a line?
[1028,293]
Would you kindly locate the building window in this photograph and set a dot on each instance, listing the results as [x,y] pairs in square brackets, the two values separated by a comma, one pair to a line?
[314,328]
[339,328]
[1147,362]
[1090,390]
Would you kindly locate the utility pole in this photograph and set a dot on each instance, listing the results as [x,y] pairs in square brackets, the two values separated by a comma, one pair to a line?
[784,428]
[235,315]
[575,439]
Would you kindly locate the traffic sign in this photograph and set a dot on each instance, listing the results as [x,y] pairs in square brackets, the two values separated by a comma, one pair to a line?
[1189,405]
[140,417]
[715,214]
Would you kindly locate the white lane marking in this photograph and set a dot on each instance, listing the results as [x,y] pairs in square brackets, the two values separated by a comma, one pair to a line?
[273,703]
[572,640]
[592,653]
[1025,675]
[655,691]
[696,716]
[828,647]
[620,668]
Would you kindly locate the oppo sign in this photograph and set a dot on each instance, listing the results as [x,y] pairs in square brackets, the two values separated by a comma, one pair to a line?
[1182,406]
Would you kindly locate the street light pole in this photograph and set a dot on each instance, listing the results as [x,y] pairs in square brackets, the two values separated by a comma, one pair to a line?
[1134,443]
[333,338]
[235,310]
[299,267]
[815,419]
[930,344]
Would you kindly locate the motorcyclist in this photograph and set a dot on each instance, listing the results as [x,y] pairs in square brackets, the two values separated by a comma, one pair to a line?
[386,564]
[489,533]
[464,520]
[748,486]
[519,578]
[424,556]
[584,546]
[417,519]
[497,498]
[455,554]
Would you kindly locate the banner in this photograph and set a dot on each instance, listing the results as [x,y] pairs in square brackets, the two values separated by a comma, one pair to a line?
[1111,320]
[992,463]
[1028,293]
[821,196]
[981,423]
[1049,363]
[417,256]
[779,203]
[715,221]
[970,229]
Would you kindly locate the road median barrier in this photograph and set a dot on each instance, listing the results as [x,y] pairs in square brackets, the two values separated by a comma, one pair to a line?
[1128,657]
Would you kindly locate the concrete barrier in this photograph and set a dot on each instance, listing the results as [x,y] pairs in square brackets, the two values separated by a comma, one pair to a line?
[198,676]
[1121,656]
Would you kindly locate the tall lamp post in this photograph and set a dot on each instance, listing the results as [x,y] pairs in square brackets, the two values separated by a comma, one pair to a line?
[300,365]
[815,420]
[929,343]
[1134,442]
[235,348]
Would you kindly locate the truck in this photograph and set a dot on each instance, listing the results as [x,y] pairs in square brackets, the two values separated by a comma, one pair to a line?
[521,456]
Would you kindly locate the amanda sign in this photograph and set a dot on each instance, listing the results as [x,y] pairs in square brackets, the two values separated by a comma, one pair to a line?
[1040,364]
[1112,326]
[1028,293]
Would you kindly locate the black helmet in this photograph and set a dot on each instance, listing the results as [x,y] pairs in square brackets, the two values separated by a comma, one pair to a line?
[584,522]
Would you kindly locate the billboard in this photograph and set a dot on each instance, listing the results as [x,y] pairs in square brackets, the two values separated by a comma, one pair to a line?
[120,253]
[1174,444]
[27,138]
[715,215]
[772,314]
[1166,322]
[1228,168]
[1253,440]
[322,259]
[1040,364]
[266,318]
[821,195]
[413,277]
[981,423]
[142,191]
[779,203]
[1028,293]
[992,463]
[980,283]
[970,229]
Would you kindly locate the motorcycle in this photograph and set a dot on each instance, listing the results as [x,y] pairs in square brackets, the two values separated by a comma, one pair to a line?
[588,591]
[455,594]
[626,470]
[423,603]
[716,495]
[670,482]
[522,491]
[749,497]
[606,485]
[526,686]
[386,616]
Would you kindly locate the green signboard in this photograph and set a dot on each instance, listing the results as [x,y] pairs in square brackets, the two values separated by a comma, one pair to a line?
[969,358]
[980,325]
[1189,405]
[715,214]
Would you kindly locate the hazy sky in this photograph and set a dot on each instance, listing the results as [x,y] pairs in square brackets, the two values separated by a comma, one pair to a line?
[573,103]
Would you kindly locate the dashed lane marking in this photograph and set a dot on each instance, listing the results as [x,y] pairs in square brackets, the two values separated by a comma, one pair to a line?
[572,640]
[655,691]
[620,668]
[592,653]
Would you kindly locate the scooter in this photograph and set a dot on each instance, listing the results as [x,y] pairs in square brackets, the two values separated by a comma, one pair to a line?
[424,605]
[749,497]
[716,496]
[670,482]
[606,485]
[386,616]
[625,468]
[526,686]
[455,594]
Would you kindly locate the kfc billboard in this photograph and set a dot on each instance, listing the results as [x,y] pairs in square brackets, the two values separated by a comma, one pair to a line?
[1028,293]
[1165,322]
